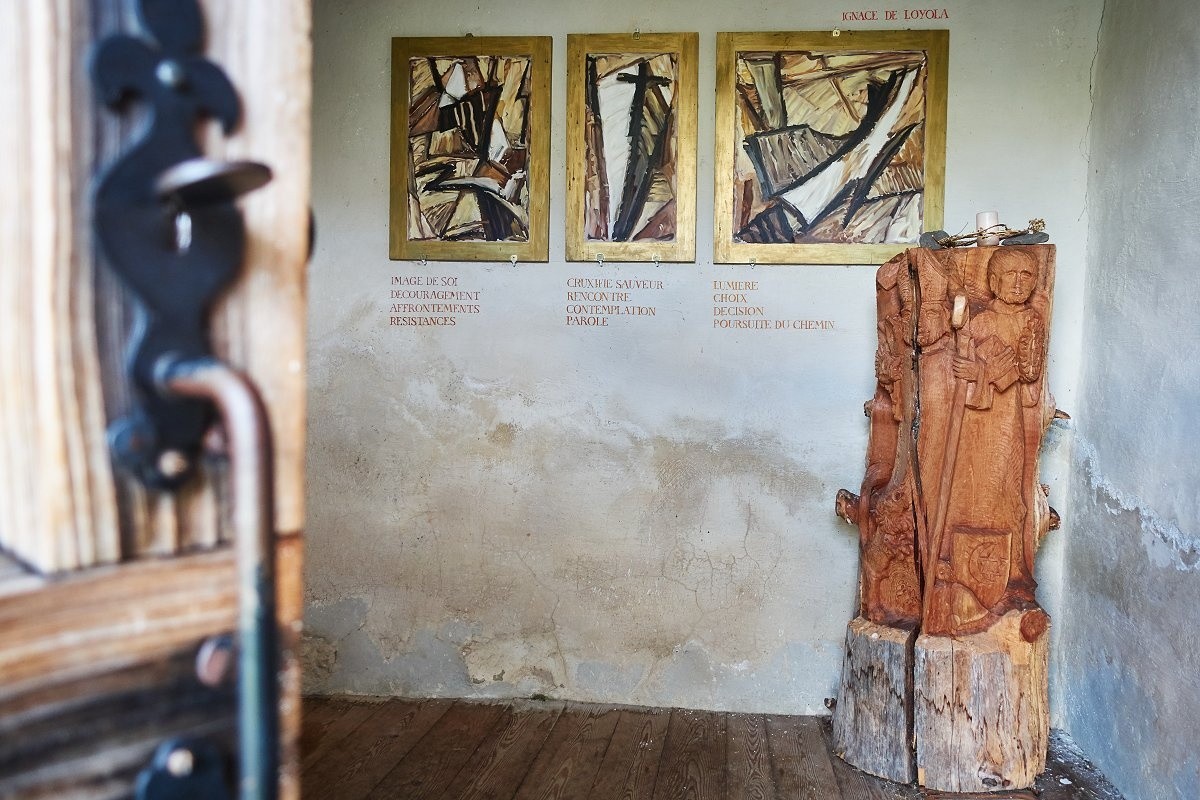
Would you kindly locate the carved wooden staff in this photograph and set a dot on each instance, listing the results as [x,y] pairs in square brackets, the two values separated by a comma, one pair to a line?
[958,319]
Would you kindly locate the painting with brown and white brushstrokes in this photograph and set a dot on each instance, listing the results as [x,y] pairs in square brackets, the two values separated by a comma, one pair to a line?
[468,137]
[630,188]
[831,147]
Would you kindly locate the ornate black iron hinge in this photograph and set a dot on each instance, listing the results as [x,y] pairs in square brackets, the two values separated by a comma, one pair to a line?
[166,220]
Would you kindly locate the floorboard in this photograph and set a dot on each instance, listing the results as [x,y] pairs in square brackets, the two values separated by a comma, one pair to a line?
[569,760]
[440,754]
[693,759]
[550,750]
[630,766]
[748,762]
[372,750]
[799,759]
[499,767]
[333,726]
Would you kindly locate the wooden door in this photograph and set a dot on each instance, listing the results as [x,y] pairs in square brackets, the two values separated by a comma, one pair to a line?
[107,589]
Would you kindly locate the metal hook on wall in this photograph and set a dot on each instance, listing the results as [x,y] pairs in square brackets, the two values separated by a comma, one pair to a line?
[512,260]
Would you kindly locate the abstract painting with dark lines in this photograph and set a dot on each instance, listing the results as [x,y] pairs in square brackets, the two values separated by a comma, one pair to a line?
[468,135]
[830,147]
[630,185]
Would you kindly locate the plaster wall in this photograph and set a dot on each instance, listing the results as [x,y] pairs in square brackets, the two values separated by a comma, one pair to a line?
[1130,643]
[642,513]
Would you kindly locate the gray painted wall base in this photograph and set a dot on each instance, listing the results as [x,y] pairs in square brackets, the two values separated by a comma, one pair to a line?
[872,719]
[980,709]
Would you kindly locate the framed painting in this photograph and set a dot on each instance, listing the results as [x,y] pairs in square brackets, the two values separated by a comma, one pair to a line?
[631,147]
[830,147]
[470,168]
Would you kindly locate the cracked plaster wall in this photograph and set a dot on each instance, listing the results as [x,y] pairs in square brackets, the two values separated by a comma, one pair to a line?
[1132,569]
[642,514]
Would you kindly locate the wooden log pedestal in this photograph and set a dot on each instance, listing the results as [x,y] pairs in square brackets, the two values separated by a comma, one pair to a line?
[981,720]
[957,714]
[872,721]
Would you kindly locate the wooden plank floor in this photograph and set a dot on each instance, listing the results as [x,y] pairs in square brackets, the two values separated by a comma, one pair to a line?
[549,750]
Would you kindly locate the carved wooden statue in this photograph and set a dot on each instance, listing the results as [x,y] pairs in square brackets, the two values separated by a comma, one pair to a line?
[950,645]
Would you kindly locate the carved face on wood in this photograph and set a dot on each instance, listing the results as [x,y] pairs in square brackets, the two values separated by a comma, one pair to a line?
[933,322]
[1012,275]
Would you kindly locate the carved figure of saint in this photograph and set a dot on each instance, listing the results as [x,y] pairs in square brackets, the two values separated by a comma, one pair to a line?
[950,510]
[990,527]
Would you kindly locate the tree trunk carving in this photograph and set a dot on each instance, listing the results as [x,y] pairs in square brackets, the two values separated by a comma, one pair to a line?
[950,512]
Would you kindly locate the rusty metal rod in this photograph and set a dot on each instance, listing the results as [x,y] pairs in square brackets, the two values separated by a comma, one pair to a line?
[251,474]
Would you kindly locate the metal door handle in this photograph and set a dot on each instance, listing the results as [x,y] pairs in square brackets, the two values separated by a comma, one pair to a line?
[249,441]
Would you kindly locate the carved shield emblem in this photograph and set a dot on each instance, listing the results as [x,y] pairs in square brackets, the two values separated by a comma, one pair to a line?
[980,561]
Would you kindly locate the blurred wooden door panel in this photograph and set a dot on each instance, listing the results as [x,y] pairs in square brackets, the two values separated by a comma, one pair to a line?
[107,589]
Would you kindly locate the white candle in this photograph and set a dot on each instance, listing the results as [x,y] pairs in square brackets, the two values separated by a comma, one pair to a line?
[985,220]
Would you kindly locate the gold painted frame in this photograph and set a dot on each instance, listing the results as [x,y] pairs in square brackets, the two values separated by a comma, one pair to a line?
[535,90]
[729,250]
[682,246]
